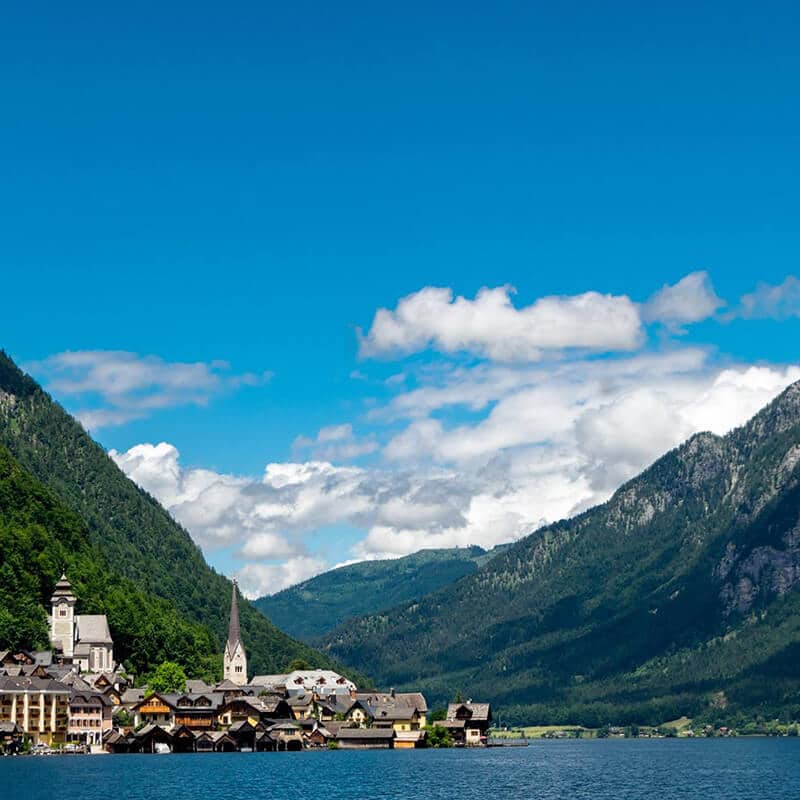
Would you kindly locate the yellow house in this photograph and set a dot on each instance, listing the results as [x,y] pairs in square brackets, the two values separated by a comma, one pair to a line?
[403,711]
[40,707]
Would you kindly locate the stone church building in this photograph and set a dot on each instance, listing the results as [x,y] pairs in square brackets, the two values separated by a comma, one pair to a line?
[80,639]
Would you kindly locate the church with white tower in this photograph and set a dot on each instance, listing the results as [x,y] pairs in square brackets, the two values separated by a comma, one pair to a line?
[234,658]
[81,639]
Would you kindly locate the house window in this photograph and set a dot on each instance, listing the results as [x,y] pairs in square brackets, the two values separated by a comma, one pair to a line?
[238,668]
[62,612]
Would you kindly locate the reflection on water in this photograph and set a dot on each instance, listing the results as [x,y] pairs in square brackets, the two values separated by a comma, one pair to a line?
[550,770]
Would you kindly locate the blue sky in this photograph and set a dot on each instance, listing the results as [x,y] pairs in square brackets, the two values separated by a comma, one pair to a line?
[249,184]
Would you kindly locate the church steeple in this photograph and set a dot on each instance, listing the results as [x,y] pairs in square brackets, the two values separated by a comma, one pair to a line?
[234,631]
[234,658]
[62,617]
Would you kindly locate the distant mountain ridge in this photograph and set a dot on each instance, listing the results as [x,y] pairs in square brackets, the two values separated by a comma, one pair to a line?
[677,596]
[121,527]
[314,607]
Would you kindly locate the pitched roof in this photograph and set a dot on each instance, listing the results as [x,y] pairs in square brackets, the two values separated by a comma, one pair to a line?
[85,697]
[393,712]
[409,699]
[479,712]
[9,727]
[93,628]
[43,657]
[130,696]
[21,683]
[76,682]
[365,733]
[227,685]
[197,687]
[269,680]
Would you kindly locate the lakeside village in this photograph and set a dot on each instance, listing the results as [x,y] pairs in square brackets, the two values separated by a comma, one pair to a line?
[73,698]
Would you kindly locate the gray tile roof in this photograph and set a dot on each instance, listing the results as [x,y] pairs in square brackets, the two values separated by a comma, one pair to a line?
[93,628]
[365,733]
[479,712]
[197,687]
[269,680]
[412,699]
[10,683]
[132,696]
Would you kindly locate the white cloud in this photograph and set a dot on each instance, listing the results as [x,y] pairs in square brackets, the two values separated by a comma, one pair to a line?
[552,443]
[257,580]
[771,302]
[492,327]
[263,546]
[691,299]
[336,443]
[112,387]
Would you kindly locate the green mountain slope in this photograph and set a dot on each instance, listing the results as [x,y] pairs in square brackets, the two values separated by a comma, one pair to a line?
[40,537]
[318,605]
[134,535]
[678,595]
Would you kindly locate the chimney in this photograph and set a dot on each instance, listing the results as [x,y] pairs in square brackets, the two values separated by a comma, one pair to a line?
[391,691]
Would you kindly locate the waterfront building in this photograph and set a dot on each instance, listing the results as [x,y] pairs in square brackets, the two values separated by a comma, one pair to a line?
[365,738]
[468,722]
[253,710]
[157,709]
[39,706]
[197,711]
[89,717]
[402,711]
[234,658]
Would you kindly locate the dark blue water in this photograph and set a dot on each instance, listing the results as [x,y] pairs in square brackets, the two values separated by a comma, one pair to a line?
[736,769]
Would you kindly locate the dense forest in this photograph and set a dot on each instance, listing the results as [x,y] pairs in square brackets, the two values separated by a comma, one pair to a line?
[318,605]
[40,538]
[126,531]
[677,596]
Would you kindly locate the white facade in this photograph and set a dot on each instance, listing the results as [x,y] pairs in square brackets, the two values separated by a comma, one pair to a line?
[62,620]
[83,639]
[235,664]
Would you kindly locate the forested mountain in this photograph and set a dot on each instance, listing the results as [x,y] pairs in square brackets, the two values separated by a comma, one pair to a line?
[318,605]
[117,539]
[677,596]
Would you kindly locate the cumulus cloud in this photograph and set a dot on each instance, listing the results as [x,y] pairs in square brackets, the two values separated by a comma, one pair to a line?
[555,414]
[772,302]
[490,325]
[336,443]
[256,580]
[552,443]
[112,387]
[691,299]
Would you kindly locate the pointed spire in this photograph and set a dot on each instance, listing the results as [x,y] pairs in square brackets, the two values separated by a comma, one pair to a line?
[234,631]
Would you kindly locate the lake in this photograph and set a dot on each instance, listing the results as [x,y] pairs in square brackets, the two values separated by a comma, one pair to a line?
[547,770]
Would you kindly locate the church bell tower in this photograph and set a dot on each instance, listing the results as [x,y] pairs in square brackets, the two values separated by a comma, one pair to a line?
[62,621]
[234,658]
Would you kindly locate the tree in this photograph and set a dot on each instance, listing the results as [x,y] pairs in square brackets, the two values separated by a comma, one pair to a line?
[168,677]
[438,736]
[437,714]
[298,664]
